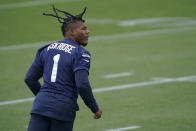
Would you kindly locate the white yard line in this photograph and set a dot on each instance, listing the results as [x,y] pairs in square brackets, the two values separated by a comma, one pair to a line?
[122,74]
[161,81]
[100,21]
[16,101]
[138,34]
[99,38]
[32,3]
[144,21]
[159,22]
[185,79]
[119,87]
[23,46]
[124,128]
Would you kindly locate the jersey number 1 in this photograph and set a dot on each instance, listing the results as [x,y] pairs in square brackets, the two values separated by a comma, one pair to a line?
[55,67]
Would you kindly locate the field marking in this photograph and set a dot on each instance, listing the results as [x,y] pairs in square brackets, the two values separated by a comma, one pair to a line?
[116,75]
[147,22]
[33,3]
[99,21]
[138,34]
[124,128]
[186,79]
[159,22]
[180,23]
[146,83]
[23,46]
[100,38]
[144,21]
[16,101]
[118,87]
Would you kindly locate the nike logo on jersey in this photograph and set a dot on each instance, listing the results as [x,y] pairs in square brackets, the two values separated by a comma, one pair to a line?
[86,55]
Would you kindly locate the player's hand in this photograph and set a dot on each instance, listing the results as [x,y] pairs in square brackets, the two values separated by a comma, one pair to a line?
[98,114]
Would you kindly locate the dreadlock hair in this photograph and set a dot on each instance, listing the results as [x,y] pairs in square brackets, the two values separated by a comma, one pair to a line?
[68,20]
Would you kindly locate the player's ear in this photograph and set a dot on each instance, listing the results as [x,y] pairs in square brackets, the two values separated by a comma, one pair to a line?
[72,31]
[69,32]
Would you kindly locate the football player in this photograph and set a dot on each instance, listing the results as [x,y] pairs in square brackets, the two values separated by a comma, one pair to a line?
[64,66]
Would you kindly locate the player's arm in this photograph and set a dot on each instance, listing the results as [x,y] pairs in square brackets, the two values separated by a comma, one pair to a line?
[33,75]
[85,91]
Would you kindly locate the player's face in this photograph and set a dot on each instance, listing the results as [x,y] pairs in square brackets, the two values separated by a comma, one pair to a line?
[81,33]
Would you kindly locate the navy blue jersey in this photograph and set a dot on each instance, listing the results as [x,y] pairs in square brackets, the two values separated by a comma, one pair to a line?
[58,62]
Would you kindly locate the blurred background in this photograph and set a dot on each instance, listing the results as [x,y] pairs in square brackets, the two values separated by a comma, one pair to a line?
[143,60]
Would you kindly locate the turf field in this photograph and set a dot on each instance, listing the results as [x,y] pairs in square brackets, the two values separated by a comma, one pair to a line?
[147,47]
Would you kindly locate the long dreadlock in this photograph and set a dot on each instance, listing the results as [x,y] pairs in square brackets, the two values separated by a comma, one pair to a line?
[68,20]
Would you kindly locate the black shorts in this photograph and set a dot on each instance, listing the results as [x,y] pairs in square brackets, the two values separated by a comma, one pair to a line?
[42,123]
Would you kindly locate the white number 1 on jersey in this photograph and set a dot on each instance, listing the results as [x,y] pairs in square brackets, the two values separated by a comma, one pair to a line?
[55,67]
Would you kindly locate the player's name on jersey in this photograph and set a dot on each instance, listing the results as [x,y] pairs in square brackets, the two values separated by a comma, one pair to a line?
[61,46]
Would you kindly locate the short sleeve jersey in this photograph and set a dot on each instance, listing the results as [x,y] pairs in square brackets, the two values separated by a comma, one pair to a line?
[59,61]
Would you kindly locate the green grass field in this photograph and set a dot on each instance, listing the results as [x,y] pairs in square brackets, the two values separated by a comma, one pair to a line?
[153,39]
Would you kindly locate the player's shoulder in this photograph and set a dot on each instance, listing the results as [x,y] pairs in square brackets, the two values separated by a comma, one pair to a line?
[42,48]
[84,52]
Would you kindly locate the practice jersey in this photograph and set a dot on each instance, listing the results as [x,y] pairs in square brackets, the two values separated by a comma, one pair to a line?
[58,62]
